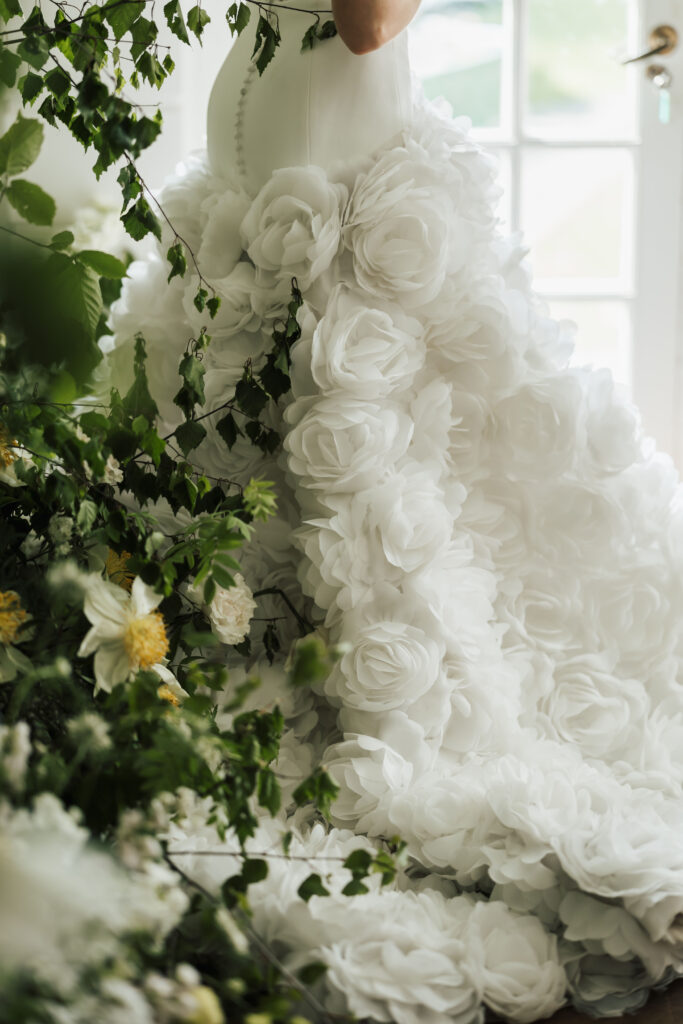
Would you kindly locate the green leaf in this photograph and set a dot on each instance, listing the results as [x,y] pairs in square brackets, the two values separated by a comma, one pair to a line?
[30,85]
[227,428]
[222,577]
[9,8]
[189,435]
[312,886]
[58,82]
[9,65]
[20,145]
[79,290]
[254,870]
[310,973]
[354,888]
[87,514]
[30,202]
[197,18]
[250,397]
[62,240]
[359,862]
[121,16]
[138,220]
[238,16]
[176,257]
[34,50]
[266,42]
[103,263]
[213,305]
[175,20]
[130,185]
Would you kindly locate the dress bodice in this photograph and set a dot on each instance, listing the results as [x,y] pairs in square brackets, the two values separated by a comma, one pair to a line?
[314,107]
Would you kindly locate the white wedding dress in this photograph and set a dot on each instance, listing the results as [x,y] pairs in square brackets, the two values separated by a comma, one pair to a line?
[484,524]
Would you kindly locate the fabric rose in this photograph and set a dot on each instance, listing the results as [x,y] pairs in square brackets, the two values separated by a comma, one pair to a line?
[408,520]
[536,432]
[221,246]
[292,228]
[369,350]
[522,976]
[230,610]
[343,443]
[389,665]
[590,706]
[367,772]
[402,229]
[614,427]
[403,959]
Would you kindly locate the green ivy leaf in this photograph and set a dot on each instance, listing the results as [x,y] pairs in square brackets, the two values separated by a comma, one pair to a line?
[122,17]
[138,220]
[238,16]
[9,9]
[176,257]
[62,240]
[228,429]
[20,145]
[103,263]
[30,85]
[354,888]
[9,65]
[189,434]
[213,305]
[79,288]
[31,202]
[312,886]
[175,20]
[197,18]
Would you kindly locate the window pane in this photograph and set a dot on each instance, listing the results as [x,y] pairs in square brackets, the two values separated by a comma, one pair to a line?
[603,337]
[576,86]
[456,51]
[577,213]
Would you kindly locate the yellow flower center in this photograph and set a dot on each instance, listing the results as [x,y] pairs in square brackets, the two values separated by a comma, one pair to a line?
[12,616]
[116,570]
[145,640]
[7,453]
[166,693]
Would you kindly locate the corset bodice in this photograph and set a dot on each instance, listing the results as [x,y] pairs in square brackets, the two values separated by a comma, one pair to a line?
[315,107]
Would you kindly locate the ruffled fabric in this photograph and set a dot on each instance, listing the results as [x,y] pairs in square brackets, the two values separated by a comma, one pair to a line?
[500,546]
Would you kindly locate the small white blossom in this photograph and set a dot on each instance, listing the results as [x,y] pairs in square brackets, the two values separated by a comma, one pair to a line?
[90,731]
[113,474]
[230,610]
[15,750]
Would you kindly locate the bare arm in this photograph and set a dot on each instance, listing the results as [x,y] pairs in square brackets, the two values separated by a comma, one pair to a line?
[365,25]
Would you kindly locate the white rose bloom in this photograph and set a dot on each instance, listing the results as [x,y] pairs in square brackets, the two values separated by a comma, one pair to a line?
[343,443]
[408,520]
[522,976]
[368,773]
[390,665]
[576,523]
[230,611]
[401,196]
[292,228]
[614,426]
[367,350]
[537,431]
[404,960]
[221,247]
[590,706]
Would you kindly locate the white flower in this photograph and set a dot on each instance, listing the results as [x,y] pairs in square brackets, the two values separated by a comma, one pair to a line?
[402,229]
[390,665]
[127,632]
[403,959]
[89,731]
[230,611]
[367,772]
[590,706]
[522,976]
[221,247]
[342,443]
[292,228]
[614,427]
[59,530]
[113,474]
[536,432]
[367,350]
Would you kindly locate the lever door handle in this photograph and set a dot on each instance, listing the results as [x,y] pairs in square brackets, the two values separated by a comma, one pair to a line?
[663,39]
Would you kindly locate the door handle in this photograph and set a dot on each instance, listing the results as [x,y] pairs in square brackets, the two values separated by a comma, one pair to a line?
[663,39]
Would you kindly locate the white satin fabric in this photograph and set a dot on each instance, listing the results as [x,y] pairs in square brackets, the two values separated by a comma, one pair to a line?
[316,107]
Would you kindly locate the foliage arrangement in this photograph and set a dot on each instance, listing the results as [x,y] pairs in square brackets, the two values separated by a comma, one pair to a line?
[111,655]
